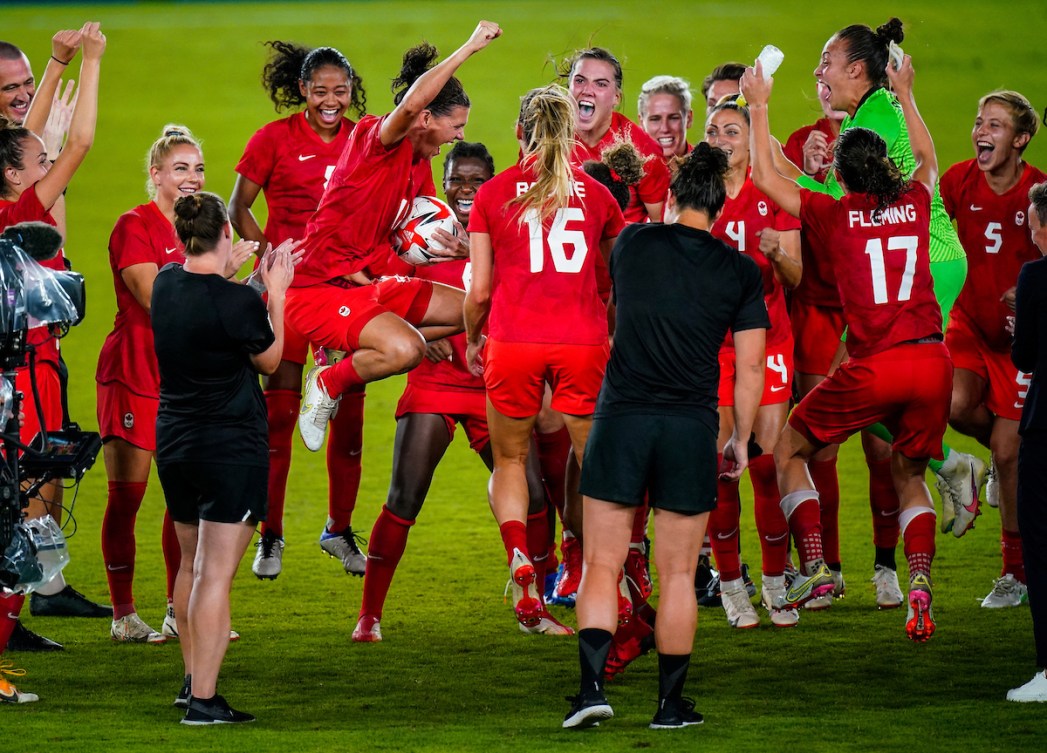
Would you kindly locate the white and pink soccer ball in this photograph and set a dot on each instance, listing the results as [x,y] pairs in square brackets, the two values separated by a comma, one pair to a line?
[412,237]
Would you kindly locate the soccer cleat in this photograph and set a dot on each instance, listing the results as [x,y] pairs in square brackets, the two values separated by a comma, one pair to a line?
[706,583]
[807,587]
[629,644]
[638,573]
[547,625]
[170,626]
[625,601]
[345,545]
[551,576]
[1034,691]
[740,611]
[790,572]
[750,587]
[67,603]
[8,692]
[919,622]
[570,573]
[131,629]
[968,475]
[181,700]
[213,711]
[888,591]
[269,557]
[992,485]
[774,590]
[676,714]
[367,630]
[826,601]
[587,711]
[318,408]
[24,639]
[526,604]
[1007,591]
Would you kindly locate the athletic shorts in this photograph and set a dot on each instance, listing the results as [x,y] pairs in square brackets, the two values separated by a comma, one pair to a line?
[816,331]
[296,347]
[217,492]
[123,414]
[1006,387]
[455,407]
[48,387]
[668,460]
[333,313]
[777,375]
[516,375]
[907,388]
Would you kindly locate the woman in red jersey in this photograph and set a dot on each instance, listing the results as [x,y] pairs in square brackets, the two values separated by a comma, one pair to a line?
[757,227]
[291,160]
[383,168]
[899,371]
[535,232]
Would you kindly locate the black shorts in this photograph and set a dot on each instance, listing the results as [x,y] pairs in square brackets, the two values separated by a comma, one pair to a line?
[671,459]
[216,492]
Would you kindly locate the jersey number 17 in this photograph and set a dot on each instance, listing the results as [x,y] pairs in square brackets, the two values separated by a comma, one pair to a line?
[874,250]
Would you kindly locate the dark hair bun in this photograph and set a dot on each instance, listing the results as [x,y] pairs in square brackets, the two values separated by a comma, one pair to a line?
[891,32]
[706,159]
[625,161]
[187,208]
[417,61]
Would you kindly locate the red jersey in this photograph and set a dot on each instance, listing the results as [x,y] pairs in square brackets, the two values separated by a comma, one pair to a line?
[994,232]
[739,225]
[291,163]
[882,265]
[544,286]
[141,236]
[653,188]
[370,189]
[452,374]
[793,147]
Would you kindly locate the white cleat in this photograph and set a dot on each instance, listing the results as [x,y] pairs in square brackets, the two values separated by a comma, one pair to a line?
[888,591]
[345,546]
[131,629]
[740,611]
[1007,591]
[317,410]
[170,627]
[992,485]
[268,557]
[1034,691]
[773,592]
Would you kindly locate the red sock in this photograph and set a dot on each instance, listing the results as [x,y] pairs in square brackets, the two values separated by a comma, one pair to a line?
[538,544]
[282,410]
[640,524]
[10,606]
[514,536]
[172,554]
[340,378]
[1011,546]
[553,451]
[345,441]
[385,548]
[118,542]
[827,482]
[805,524]
[918,535]
[771,524]
[723,529]
[884,504]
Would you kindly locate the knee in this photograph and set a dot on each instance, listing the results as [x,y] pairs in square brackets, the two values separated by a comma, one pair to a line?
[403,504]
[405,353]
[1005,452]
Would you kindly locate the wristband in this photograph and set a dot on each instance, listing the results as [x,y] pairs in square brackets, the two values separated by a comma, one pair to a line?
[61,62]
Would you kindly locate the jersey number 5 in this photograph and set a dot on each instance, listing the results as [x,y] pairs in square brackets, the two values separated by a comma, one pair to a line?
[559,238]
[874,250]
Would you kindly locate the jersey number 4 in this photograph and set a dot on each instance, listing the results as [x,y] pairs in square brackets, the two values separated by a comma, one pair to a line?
[558,239]
[874,250]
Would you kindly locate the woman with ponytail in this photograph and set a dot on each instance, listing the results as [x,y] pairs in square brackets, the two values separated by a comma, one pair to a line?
[291,160]
[678,290]
[535,231]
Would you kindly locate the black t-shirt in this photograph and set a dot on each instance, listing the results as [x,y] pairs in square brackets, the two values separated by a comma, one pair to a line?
[677,291]
[211,406]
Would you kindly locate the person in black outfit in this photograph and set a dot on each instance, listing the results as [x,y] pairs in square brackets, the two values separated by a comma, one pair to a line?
[677,291]
[1028,352]
[213,337]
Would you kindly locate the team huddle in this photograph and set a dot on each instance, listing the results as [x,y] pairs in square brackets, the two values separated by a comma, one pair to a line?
[622,323]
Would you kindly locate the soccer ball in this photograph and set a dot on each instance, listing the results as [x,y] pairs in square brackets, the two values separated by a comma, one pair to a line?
[412,238]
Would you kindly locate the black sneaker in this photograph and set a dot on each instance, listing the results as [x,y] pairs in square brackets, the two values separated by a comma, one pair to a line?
[24,639]
[213,711]
[587,711]
[706,583]
[181,700]
[67,603]
[750,587]
[675,715]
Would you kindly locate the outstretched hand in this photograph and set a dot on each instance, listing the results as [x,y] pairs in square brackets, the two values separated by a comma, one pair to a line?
[754,87]
[65,43]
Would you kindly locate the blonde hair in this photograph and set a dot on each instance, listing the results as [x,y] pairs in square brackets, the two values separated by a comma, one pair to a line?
[1024,118]
[547,123]
[171,135]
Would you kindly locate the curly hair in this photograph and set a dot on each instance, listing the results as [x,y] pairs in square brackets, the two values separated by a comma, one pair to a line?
[291,63]
[417,61]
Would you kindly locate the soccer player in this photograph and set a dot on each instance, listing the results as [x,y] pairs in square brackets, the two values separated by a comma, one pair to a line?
[899,370]
[721,82]
[534,233]
[291,160]
[677,291]
[756,226]
[383,168]
[664,109]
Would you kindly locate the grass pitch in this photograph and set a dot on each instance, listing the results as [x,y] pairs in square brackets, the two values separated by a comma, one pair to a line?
[454,674]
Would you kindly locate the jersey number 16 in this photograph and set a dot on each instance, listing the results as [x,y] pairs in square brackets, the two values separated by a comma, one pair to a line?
[558,239]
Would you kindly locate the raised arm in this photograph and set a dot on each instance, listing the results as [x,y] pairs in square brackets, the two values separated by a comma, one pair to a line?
[64,45]
[926,171]
[782,190]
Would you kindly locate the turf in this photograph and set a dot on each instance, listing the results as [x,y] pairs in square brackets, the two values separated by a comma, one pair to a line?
[453,672]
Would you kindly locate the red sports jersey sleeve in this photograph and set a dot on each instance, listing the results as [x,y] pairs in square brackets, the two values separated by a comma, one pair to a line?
[994,231]
[544,287]
[882,265]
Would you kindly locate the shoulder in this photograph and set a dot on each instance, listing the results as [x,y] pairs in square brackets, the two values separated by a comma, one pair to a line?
[1032,175]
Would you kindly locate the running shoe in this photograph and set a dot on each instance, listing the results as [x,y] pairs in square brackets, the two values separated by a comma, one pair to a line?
[131,629]
[919,622]
[826,601]
[269,557]
[740,611]
[1034,691]
[570,573]
[1007,591]
[8,692]
[676,714]
[526,603]
[170,627]
[368,630]
[774,592]
[547,625]
[318,408]
[807,587]
[587,711]
[992,484]
[706,583]
[213,711]
[345,546]
[67,603]
[888,591]
[638,573]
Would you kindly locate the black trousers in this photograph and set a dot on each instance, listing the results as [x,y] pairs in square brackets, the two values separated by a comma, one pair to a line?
[1032,522]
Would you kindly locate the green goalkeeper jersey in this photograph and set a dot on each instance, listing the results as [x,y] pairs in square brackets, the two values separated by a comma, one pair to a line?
[880,112]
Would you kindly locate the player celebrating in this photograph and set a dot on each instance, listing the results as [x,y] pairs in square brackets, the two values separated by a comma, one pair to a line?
[291,160]
[664,108]
[535,231]
[988,198]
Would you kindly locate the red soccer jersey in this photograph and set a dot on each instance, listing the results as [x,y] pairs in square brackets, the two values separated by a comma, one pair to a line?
[743,218]
[653,188]
[994,232]
[291,163]
[544,286]
[370,189]
[881,263]
[141,236]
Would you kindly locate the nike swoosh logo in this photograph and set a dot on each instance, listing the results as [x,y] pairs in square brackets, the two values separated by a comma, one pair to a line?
[729,535]
[113,569]
[304,157]
[779,388]
[357,452]
[170,250]
[975,208]
[888,513]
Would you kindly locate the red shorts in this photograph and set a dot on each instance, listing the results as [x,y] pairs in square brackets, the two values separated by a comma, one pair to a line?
[468,408]
[332,314]
[49,388]
[1006,387]
[516,375]
[126,415]
[296,347]
[817,331]
[777,375]
[907,388]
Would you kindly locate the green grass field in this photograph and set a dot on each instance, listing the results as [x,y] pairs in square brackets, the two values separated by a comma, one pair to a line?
[454,674]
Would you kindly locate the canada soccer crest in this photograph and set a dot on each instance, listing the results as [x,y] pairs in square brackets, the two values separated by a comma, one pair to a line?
[1019,218]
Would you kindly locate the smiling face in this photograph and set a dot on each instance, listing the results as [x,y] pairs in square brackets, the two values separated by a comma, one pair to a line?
[327,95]
[462,180]
[666,121]
[35,165]
[433,131]
[728,130]
[839,78]
[17,88]
[718,90]
[180,173]
[595,93]
[996,143]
